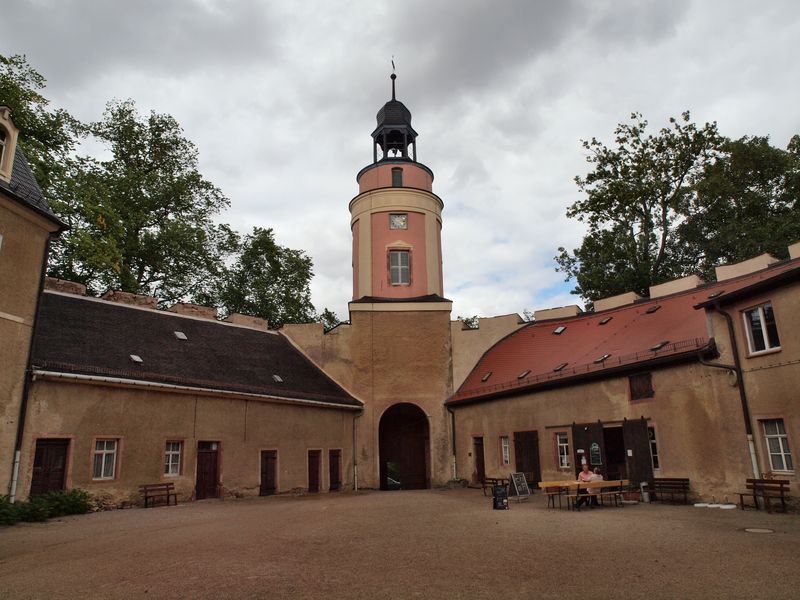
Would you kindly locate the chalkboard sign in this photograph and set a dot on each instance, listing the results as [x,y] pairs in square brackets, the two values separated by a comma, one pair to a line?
[520,485]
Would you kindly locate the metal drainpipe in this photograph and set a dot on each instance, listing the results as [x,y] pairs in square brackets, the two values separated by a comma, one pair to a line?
[26,386]
[737,369]
[453,441]
[355,451]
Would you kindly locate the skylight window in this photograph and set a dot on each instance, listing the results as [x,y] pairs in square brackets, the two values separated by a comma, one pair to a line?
[605,320]
[560,367]
[180,335]
[659,345]
[559,330]
[716,294]
[485,378]
[652,309]
[136,358]
[524,374]
[601,359]
[277,379]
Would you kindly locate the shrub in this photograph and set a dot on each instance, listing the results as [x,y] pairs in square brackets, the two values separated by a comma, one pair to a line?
[45,506]
[8,511]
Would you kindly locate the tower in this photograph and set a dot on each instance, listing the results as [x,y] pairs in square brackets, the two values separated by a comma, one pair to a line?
[396,219]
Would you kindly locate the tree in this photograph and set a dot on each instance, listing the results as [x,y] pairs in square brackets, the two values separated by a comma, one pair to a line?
[48,138]
[269,281]
[141,221]
[329,319]
[634,199]
[746,203]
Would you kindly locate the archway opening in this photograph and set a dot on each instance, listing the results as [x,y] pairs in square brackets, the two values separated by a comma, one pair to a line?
[403,438]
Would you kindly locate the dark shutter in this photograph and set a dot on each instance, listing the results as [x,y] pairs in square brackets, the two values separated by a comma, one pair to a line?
[637,451]
[334,469]
[269,479]
[526,455]
[480,465]
[583,436]
[641,386]
[313,471]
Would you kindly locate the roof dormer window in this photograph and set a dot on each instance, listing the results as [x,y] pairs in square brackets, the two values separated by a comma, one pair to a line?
[8,142]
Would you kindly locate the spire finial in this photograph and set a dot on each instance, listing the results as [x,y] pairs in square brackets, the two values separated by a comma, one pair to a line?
[393,77]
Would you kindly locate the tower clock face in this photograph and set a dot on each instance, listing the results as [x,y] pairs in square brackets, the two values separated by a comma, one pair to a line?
[398,221]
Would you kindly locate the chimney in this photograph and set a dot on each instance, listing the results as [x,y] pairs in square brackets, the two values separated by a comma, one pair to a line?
[746,266]
[557,313]
[62,285]
[615,301]
[674,286]
[130,298]
[247,321]
[194,310]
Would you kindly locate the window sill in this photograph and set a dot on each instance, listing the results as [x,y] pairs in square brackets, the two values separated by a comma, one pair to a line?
[763,352]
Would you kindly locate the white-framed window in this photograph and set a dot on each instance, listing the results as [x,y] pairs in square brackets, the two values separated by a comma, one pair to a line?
[780,457]
[399,267]
[104,464]
[562,446]
[505,450]
[762,331]
[651,436]
[172,458]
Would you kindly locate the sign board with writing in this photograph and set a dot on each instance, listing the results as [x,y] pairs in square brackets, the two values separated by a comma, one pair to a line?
[520,486]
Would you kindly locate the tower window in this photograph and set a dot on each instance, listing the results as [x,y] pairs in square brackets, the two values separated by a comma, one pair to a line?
[3,138]
[399,267]
[397,177]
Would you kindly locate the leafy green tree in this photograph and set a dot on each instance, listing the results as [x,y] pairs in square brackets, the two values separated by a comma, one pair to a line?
[329,319]
[469,322]
[47,137]
[746,203]
[634,199]
[269,281]
[141,221]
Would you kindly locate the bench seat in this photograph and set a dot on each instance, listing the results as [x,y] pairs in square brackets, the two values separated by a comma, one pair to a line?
[672,486]
[768,490]
[156,491]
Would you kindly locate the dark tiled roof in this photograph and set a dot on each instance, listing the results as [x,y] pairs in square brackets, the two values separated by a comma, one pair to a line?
[92,337]
[23,187]
[378,300]
[628,339]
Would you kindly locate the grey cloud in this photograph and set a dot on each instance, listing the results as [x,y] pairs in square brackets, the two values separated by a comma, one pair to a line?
[84,39]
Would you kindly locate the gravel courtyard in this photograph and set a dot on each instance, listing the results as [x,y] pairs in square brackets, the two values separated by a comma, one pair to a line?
[425,544]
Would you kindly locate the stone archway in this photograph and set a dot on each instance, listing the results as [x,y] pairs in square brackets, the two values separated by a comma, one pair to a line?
[403,439]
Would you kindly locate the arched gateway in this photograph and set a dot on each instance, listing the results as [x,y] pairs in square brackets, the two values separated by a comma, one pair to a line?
[403,438]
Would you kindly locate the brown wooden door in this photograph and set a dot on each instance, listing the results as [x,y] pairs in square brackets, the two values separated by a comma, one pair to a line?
[526,455]
[403,447]
[269,472]
[207,470]
[637,451]
[588,437]
[480,464]
[313,470]
[335,470]
[49,466]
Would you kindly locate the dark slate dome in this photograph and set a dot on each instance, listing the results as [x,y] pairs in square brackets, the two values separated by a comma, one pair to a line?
[394,112]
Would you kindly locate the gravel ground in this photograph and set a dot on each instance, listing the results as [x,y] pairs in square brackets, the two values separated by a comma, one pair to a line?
[421,544]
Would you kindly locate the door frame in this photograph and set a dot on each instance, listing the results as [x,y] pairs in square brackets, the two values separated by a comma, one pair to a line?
[320,482]
[70,439]
[218,452]
[260,471]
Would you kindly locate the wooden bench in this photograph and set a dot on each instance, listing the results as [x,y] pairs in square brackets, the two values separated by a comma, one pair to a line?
[601,489]
[672,486]
[154,491]
[490,482]
[768,489]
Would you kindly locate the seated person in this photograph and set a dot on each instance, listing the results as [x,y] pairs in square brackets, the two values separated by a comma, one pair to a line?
[584,476]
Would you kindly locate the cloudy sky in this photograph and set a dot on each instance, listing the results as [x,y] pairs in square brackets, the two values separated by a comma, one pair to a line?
[280,98]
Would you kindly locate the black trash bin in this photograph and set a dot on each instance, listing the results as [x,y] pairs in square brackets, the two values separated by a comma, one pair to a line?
[500,497]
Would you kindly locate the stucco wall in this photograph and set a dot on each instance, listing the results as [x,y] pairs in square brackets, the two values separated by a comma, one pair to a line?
[385,358]
[470,344]
[772,378]
[143,421]
[695,412]
[21,256]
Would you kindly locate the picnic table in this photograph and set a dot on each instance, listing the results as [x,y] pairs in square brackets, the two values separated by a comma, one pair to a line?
[572,490]
[490,482]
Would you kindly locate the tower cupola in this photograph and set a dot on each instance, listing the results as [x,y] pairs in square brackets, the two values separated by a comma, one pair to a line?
[394,133]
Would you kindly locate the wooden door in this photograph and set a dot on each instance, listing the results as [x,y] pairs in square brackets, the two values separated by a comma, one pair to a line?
[637,451]
[313,470]
[269,472]
[335,470]
[49,466]
[480,464]
[588,437]
[207,470]
[526,455]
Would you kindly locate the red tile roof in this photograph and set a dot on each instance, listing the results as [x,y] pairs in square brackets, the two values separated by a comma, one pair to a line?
[628,339]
